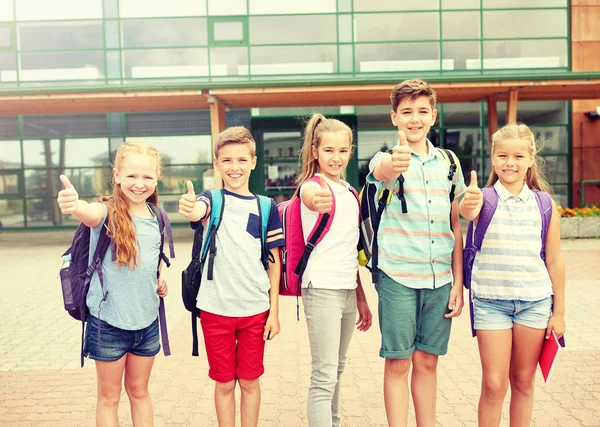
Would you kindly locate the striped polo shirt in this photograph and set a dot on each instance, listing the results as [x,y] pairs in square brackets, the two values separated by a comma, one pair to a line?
[509,266]
[415,248]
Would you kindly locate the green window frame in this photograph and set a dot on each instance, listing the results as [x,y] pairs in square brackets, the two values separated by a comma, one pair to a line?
[214,20]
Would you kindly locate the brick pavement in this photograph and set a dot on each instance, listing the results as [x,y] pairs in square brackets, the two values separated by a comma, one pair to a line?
[42,385]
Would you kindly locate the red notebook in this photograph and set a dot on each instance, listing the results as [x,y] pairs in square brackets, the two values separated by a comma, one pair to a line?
[549,354]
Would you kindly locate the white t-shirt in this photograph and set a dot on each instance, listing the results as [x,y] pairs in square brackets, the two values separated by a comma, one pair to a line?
[333,263]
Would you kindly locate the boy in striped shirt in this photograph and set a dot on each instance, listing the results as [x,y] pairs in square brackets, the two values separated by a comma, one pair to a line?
[420,256]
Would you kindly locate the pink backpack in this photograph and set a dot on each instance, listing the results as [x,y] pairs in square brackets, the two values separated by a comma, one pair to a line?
[295,253]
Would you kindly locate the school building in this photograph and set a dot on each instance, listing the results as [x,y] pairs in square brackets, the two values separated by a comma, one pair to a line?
[79,77]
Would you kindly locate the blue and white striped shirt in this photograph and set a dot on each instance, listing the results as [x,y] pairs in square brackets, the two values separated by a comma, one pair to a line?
[509,266]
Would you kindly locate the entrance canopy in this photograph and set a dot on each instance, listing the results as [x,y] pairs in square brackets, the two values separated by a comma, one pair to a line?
[571,86]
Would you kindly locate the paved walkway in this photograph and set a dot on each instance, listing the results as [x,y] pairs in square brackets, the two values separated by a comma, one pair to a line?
[41,382]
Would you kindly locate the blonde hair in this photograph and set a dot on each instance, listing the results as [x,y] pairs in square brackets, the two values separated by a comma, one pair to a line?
[235,135]
[534,177]
[316,126]
[120,225]
[411,90]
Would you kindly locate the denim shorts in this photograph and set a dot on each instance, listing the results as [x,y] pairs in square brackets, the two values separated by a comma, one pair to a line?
[115,342]
[496,315]
[412,319]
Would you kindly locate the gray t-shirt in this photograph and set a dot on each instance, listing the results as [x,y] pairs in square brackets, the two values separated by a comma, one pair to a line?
[132,301]
[240,285]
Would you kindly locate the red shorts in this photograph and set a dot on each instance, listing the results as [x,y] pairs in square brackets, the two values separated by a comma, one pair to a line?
[234,346]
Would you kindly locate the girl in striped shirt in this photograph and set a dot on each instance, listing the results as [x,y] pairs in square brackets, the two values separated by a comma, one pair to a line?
[518,298]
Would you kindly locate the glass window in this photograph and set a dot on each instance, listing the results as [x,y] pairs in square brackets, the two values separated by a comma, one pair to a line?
[59,35]
[522,54]
[524,23]
[392,5]
[115,124]
[461,55]
[460,25]
[227,61]
[6,37]
[543,112]
[464,142]
[6,10]
[228,31]
[344,6]
[346,58]
[66,126]
[372,141]
[275,60]
[11,155]
[111,8]
[162,63]
[230,7]
[384,57]
[396,27]
[164,32]
[293,29]
[111,32]
[8,67]
[66,152]
[497,4]
[40,10]
[462,114]
[460,4]
[180,149]
[9,128]
[557,169]
[78,65]
[167,123]
[11,212]
[157,9]
[345,24]
[276,7]
[113,64]
[175,177]
[561,195]
[552,139]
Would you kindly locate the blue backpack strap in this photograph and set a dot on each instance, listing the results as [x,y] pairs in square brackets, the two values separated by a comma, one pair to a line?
[217,204]
[264,212]
[544,202]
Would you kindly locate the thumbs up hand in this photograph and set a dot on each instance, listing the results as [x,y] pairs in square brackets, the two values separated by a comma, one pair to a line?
[473,194]
[68,197]
[401,154]
[322,198]
[187,202]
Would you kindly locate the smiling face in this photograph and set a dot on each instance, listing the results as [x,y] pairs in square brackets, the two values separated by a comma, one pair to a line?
[333,154]
[137,177]
[235,162]
[414,118]
[511,159]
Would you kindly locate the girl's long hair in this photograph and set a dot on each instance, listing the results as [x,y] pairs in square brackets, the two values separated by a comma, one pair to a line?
[316,126]
[534,177]
[120,225]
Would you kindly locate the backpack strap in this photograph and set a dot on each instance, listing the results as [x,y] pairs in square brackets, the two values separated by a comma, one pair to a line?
[217,204]
[164,225]
[544,202]
[320,229]
[453,167]
[264,212]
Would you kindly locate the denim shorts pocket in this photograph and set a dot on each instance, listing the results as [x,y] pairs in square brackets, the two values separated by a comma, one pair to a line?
[253,226]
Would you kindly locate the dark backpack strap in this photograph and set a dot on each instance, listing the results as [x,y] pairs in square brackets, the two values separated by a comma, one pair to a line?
[163,225]
[452,168]
[264,215]
[400,194]
[544,202]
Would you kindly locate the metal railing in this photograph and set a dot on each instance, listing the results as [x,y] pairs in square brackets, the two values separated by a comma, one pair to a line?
[586,181]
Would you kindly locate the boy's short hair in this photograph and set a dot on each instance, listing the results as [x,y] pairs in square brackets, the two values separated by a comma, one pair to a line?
[412,89]
[235,135]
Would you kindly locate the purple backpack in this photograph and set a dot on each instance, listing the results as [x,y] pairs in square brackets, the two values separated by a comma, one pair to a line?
[76,273]
[475,239]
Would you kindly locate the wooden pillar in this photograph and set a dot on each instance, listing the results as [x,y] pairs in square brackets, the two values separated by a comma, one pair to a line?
[492,118]
[217,125]
[511,106]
